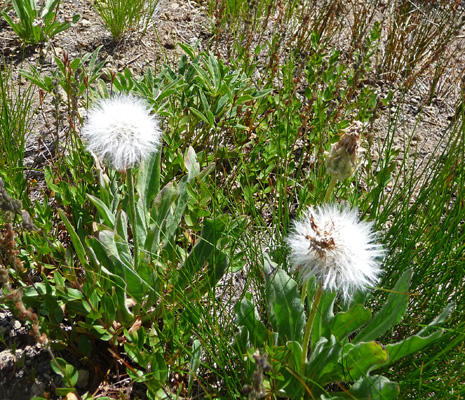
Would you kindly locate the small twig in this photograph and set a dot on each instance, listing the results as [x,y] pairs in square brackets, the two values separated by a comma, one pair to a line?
[132,60]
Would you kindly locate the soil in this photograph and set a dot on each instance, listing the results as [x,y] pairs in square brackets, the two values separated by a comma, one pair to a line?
[25,369]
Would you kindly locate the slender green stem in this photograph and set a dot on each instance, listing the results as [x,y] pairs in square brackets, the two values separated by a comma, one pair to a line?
[308,328]
[157,172]
[304,292]
[132,209]
[330,189]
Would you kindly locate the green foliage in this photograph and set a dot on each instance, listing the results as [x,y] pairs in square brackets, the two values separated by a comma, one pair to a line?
[343,344]
[74,76]
[37,24]
[16,121]
[121,17]
[243,154]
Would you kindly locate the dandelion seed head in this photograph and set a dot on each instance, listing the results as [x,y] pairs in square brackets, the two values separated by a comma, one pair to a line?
[122,131]
[335,247]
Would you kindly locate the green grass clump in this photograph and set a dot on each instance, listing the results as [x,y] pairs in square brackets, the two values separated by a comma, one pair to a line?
[121,17]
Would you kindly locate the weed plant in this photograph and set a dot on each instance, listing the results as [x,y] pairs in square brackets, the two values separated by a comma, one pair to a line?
[37,20]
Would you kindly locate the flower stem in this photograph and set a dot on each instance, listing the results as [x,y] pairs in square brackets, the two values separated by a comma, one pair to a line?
[330,189]
[304,292]
[156,172]
[132,208]
[308,328]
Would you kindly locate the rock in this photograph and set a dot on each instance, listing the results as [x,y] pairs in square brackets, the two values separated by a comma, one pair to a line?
[15,324]
[38,388]
[83,378]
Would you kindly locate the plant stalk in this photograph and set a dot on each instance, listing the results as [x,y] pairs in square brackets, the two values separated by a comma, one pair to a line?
[330,189]
[308,328]
[132,208]
[157,172]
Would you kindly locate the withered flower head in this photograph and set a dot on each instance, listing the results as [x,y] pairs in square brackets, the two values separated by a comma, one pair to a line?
[344,157]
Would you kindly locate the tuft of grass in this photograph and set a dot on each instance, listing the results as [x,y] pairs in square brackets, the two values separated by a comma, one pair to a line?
[16,123]
[422,215]
[121,17]
[417,34]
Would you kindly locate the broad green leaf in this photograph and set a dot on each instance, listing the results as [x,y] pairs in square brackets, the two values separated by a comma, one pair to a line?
[356,361]
[368,387]
[292,384]
[136,286]
[148,179]
[344,323]
[141,222]
[217,266]
[78,246]
[108,309]
[439,319]
[121,227]
[284,303]
[419,341]
[410,345]
[247,317]
[194,363]
[200,115]
[160,212]
[391,313]
[191,164]
[204,255]
[110,278]
[105,213]
[324,359]
[324,316]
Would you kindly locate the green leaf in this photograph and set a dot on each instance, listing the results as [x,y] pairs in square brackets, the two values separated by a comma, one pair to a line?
[356,362]
[191,164]
[121,227]
[103,210]
[391,313]
[324,316]
[148,179]
[284,303]
[409,346]
[194,363]
[84,345]
[136,286]
[324,358]
[67,371]
[200,115]
[110,277]
[368,387]
[78,246]
[205,254]
[160,212]
[419,341]
[439,319]
[344,323]
[248,318]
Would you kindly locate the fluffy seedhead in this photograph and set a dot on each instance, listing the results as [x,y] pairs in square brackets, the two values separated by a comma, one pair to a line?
[122,130]
[335,247]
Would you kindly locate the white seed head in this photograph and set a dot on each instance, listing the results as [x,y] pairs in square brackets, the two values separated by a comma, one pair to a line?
[335,247]
[122,131]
